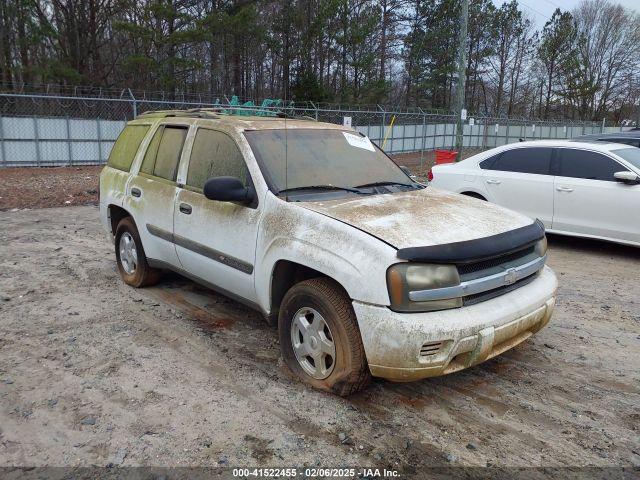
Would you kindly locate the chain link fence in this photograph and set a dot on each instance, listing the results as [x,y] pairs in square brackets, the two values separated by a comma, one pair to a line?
[57,130]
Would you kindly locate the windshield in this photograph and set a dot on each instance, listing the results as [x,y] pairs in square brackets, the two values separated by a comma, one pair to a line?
[321,157]
[631,155]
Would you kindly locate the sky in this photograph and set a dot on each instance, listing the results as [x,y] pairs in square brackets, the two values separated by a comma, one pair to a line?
[541,10]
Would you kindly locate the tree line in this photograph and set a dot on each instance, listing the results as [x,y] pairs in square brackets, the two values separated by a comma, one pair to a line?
[582,64]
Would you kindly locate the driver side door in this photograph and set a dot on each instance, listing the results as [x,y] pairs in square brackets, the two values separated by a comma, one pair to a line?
[590,201]
[216,240]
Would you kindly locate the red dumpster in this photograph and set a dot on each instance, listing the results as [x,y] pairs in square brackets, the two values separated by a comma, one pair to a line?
[445,156]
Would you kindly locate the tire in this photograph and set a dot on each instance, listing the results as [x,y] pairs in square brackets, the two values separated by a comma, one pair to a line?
[142,275]
[315,299]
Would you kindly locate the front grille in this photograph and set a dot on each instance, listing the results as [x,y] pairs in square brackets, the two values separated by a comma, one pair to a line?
[487,279]
[466,269]
[496,292]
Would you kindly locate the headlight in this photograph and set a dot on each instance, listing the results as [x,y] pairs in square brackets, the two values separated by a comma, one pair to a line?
[403,278]
[541,247]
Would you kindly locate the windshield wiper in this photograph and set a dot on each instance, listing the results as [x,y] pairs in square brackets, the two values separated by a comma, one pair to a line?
[322,187]
[383,184]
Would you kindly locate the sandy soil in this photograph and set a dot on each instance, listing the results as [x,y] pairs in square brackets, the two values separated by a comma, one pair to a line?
[93,372]
[33,187]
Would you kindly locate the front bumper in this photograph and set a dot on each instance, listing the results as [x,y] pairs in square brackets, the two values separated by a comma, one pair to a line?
[410,346]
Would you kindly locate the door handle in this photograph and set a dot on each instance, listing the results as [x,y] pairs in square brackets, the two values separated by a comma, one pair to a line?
[564,189]
[493,181]
[136,192]
[185,208]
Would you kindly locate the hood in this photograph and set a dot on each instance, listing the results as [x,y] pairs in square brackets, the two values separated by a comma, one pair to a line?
[421,217]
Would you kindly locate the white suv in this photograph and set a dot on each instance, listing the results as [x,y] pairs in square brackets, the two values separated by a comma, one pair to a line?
[365,271]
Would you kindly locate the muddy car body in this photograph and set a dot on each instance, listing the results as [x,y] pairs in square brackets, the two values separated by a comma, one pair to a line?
[364,277]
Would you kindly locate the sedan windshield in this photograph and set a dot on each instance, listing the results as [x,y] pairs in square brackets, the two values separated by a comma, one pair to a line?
[301,158]
[631,155]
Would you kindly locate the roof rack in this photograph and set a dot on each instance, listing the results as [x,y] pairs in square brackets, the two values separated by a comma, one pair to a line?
[295,117]
[194,112]
[221,112]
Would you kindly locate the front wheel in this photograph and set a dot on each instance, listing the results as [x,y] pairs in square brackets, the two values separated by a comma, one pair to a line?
[320,339]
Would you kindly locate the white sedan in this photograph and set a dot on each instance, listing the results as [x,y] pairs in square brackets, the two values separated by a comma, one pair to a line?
[575,188]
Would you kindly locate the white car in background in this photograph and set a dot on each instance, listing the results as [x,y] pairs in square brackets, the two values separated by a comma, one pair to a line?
[575,188]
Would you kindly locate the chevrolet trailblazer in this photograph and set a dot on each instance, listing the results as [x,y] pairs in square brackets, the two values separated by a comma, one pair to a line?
[366,272]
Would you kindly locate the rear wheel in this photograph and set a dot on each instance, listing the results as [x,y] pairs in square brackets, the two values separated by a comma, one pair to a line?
[474,195]
[130,257]
[320,339]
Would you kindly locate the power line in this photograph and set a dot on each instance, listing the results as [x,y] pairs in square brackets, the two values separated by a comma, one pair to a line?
[520,2]
[546,17]
[554,4]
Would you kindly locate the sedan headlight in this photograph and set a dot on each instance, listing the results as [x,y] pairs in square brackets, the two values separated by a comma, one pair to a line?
[403,278]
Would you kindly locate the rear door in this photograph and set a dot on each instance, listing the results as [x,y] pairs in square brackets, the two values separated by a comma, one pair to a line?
[151,193]
[521,179]
[216,241]
[588,198]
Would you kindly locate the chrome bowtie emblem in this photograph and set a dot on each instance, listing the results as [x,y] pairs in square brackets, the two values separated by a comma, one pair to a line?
[510,276]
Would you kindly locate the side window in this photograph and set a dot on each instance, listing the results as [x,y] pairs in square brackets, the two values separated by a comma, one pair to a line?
[214,154]
[534,160]
[126,147]
[486,164]
[585,164]
[149,160]
[163,154]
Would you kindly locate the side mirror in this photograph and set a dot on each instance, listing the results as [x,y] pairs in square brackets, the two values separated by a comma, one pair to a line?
[228,189]
[627,177]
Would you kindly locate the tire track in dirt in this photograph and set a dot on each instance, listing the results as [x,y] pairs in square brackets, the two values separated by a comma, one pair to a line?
[178,367]
[302,426]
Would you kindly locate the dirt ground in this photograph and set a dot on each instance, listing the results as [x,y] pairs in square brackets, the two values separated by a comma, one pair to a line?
[93,372]
[421,162]
[40,187]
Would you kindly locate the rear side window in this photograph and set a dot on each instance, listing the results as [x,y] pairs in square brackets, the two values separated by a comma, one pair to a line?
[588,165]
[486,164]
[536,160]
[163,154]
[149,160]
[214,154]
[126,147]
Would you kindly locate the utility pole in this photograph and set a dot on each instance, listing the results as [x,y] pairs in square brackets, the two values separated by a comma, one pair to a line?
[462,73]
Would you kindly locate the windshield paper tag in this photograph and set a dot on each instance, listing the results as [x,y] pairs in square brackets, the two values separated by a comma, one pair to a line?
[358,141]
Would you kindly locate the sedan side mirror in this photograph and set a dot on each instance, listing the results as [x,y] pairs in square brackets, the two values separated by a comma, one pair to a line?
[228,189]
[627,177]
